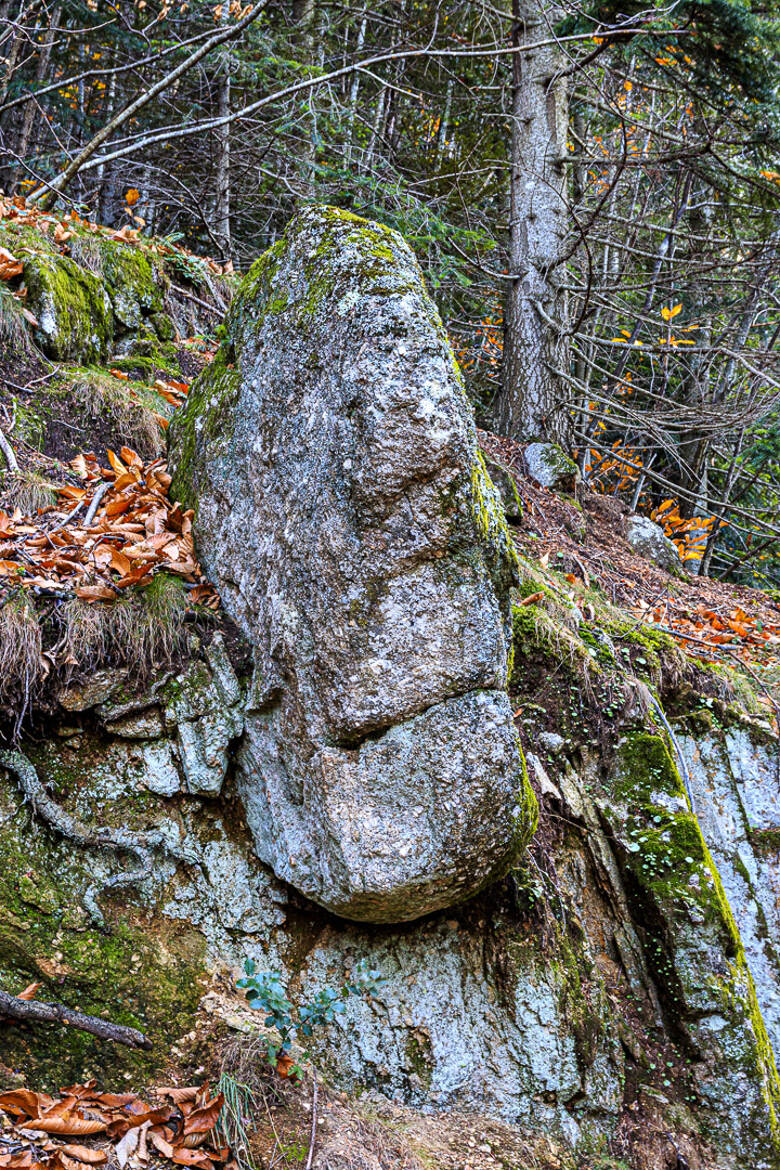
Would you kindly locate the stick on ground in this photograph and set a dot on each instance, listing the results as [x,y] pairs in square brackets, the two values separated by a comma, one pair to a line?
[34,1011]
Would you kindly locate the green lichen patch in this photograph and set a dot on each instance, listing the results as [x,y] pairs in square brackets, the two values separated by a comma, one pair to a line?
[145,974]
[692,941]
[488,515]
[74,313]
[136,285]
[205,424]
[663,842]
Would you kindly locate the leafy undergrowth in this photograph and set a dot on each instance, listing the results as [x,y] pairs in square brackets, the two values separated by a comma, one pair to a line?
[107,575]
[112,1128]
[114,530]
[61,229]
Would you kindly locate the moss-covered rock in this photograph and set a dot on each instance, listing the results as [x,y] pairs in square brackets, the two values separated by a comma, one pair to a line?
[136,286]
[73,309]
[145,973]
[694,948]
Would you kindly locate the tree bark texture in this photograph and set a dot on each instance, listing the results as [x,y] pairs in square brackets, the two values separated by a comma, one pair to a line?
[532,403]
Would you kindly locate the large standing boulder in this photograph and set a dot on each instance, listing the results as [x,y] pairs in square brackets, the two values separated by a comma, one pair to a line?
[348,520]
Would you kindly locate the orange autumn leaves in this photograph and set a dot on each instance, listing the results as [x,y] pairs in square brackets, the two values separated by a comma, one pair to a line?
[63,228]
[136,531]
[129,1129]
[734,628]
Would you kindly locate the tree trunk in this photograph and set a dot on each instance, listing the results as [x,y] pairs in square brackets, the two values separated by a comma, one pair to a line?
[532,401]
[223,150]
[304,14]
[353,94]
[41,72]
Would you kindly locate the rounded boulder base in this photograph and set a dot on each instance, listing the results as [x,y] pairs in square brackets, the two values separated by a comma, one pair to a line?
[409,822]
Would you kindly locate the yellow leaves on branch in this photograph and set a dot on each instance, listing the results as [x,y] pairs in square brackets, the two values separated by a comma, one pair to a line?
[690,536]
[670,312]
[235,9]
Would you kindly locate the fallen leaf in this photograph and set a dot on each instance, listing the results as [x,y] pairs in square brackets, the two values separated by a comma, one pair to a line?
[95,593]
[30,991]
[86,1154]
[70,1124]
[9,265]
[531,599]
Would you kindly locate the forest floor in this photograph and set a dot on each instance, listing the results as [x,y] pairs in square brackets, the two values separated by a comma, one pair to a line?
[583,541]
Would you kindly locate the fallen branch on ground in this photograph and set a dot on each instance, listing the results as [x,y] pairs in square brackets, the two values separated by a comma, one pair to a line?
[33,1011]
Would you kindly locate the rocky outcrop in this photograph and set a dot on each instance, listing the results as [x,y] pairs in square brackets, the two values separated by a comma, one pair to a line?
[615,995]
[108,297]
[649,540]
[356,538]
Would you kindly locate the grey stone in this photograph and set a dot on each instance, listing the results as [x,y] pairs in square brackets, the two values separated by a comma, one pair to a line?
[160,773]
[144,725]
[205,706]
[551,467]
[98,688]
[119,703]
[649,540]
[356,539]
[734,780]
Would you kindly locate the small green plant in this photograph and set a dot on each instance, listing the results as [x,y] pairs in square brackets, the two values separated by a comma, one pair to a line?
[265,992]
[235,1119]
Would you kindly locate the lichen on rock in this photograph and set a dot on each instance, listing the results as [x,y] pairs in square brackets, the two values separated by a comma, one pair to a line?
[72,306]
[345,512]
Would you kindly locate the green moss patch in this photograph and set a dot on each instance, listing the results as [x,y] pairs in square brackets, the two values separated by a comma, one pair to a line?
[75,317]
[208,417]
[145,974]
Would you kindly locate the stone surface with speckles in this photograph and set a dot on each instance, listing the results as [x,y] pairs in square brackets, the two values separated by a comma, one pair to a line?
[348,520]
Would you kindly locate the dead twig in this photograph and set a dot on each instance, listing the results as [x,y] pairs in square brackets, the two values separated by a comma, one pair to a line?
[62,523]
[93,507]
[13,1008]
[8,454]
[313,1120]
[182,292]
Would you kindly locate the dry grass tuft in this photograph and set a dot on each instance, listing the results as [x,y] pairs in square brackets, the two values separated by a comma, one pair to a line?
[28,491]
[133,419]
[142,631]
[14,331]
[22,665]
[236,1119]
[87,253]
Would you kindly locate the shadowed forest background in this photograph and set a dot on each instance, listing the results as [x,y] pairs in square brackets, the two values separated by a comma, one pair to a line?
[593,192]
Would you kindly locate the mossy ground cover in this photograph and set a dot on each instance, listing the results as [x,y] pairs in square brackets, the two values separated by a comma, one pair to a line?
[139,973]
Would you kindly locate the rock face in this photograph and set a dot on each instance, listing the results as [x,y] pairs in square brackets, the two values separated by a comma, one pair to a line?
[357,540]
[649,540]
[551,467]
[108,297]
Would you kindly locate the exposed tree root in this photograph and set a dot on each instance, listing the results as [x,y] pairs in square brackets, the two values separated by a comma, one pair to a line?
[139,845]
[36,1012]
